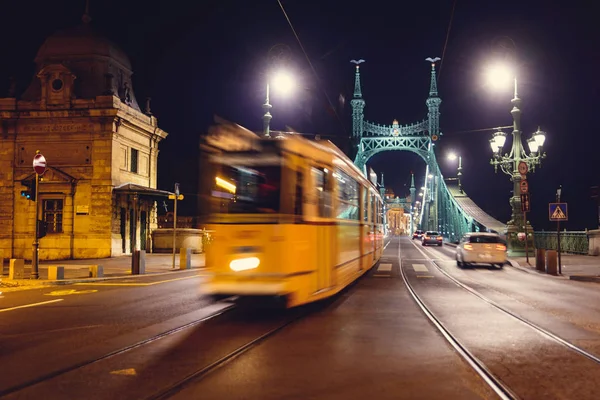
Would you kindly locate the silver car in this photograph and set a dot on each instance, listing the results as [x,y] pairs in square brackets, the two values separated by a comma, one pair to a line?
[481,248]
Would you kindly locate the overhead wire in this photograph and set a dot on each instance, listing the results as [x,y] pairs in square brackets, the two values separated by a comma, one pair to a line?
[312,68]
[446,41]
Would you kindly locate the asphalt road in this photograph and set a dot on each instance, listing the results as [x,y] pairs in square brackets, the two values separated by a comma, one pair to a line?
[371,341]
[45,330]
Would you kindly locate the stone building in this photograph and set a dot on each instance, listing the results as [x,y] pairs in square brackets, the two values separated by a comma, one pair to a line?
[98,195]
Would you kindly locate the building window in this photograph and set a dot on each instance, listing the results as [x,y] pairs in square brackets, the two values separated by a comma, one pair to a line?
[53,215]
[134,160]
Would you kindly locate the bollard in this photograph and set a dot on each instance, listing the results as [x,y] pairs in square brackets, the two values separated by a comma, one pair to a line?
[551,262]
[138,262]
[540,260]
[185,258]
[96,271]
[16,270]
[56,273]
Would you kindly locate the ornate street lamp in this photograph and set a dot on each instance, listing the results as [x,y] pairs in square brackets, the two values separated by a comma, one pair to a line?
[509,163]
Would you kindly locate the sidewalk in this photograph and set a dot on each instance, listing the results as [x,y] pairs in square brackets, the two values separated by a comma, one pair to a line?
[574,266]
[114,268]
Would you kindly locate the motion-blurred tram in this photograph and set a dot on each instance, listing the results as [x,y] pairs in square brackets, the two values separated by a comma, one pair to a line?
[292,219]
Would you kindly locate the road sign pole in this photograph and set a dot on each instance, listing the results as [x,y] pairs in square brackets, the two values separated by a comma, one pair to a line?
[526,238]
[36,242]
[558,193]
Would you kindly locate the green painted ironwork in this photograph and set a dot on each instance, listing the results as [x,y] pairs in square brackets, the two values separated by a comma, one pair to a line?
[576,242]
[439,210]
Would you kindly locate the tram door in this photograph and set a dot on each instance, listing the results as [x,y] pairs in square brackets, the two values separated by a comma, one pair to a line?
[322,208]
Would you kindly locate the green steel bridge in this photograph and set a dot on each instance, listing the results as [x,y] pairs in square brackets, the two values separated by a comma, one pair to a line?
[445,207]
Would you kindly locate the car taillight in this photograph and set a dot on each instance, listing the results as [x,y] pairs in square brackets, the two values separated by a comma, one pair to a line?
[500,247]
[439,238]
[468,247]
[426,237]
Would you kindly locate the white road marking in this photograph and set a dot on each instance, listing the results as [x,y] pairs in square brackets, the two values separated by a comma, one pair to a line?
[384,267]
[30,305]
[420,268]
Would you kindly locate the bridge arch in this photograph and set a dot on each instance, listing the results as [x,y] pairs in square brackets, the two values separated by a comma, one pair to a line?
[441,209]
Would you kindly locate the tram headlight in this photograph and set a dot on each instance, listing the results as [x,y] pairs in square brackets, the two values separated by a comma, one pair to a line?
[243,264]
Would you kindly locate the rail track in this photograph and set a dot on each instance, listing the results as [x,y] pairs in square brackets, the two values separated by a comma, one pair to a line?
[496,384]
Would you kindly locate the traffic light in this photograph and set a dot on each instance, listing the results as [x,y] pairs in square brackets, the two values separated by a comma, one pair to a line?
[28,193]
[42,229]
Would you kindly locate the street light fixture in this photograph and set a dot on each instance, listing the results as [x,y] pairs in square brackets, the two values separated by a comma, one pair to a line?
[453,157]
[283,82]
[509,163]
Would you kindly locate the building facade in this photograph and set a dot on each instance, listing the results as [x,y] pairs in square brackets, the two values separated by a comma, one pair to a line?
[98,195]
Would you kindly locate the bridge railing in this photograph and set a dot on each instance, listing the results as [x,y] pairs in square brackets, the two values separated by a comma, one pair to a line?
[576,242]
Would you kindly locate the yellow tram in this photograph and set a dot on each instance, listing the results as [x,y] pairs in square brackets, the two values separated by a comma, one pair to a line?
[293,218]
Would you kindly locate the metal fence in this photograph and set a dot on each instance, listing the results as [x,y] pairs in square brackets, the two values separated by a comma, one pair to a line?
[575,242]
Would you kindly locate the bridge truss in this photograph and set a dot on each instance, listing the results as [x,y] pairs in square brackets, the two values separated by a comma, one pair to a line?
[440,209]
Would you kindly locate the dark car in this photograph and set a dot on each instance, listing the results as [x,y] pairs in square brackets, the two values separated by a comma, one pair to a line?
[417,235]
[432,237]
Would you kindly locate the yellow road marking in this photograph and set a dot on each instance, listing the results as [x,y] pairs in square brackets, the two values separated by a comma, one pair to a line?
[69,291]
[30,305]
[134,284]
[381,276]
[424,276]
[127,371]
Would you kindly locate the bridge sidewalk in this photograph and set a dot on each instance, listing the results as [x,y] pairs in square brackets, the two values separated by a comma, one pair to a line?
[574,266]
[78,270]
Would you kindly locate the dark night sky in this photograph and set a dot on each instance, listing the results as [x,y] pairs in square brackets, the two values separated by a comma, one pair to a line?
[197,59]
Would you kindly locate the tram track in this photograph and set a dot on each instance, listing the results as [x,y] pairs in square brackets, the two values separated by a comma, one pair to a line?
[115,353]
[495,383]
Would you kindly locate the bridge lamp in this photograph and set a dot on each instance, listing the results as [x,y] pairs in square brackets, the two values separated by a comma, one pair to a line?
[284,83]
[452,157]
[430,176]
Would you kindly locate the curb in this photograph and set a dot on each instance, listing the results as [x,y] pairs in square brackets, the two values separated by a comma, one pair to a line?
[584,278]
[35,284]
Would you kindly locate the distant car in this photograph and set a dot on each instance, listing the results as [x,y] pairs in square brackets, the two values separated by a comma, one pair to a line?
[481,248]
[417,235]
[432,237]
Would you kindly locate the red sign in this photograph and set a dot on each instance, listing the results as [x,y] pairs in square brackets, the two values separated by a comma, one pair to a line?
[39,164]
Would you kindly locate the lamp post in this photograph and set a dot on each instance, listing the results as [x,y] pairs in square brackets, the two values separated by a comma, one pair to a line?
[509,164]
[453,157]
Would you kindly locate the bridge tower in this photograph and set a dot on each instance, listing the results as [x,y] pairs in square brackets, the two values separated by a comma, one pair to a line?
[433,106]
[358,107]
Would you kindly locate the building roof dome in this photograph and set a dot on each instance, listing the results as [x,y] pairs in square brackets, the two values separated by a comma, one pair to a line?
[80,41]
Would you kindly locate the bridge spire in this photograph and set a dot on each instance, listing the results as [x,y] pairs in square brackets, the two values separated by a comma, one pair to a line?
[433,91]
[433,103]
[357,88]
[382,184]
[358,106]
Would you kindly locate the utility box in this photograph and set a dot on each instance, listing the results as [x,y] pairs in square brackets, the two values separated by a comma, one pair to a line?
[540,260]
[185,258]
[16,269]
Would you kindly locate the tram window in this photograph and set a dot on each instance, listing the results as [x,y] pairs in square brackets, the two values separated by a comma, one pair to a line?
[373,209]
[298,198]
[248,190]
[365,196]
[348,196]
[323,191]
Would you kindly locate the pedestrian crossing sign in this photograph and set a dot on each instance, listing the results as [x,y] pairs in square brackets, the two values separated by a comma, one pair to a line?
[558,211]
